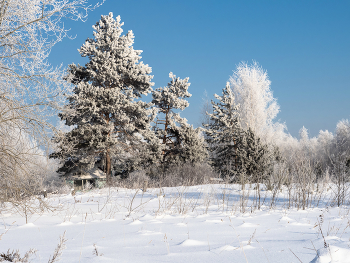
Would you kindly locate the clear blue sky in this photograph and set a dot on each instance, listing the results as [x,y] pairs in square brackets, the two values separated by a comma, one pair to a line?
[303,45]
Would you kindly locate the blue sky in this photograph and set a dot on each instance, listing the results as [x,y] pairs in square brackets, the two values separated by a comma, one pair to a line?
[303,45]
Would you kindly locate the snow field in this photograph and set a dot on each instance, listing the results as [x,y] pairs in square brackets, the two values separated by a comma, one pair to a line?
[181,224]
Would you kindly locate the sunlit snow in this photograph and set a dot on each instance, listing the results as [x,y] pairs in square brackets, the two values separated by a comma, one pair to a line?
[181,224]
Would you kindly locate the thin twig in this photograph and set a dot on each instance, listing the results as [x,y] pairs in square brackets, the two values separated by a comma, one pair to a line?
[263,250]
[296,256]
[315,249]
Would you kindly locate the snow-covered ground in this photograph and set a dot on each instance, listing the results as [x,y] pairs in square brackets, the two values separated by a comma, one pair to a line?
[181,224]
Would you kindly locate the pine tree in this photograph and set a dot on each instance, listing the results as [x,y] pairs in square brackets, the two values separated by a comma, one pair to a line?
[180,141]
[254,158]
[223,134]
[107,118]
[254,161]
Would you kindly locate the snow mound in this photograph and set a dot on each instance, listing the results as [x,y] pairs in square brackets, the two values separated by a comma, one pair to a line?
[67,223]
[136,222]
[191,242]
[332,254]
[227,248]
[214,221]
[286,218]
[248,247]
[27,225]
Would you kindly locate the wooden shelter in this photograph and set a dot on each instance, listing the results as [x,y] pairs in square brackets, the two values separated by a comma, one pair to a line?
[93,177]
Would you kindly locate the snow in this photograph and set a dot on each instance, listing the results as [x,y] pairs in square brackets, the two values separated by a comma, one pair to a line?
[332,254]
[180,224]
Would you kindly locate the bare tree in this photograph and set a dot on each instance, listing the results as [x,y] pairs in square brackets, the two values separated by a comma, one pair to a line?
[30,89]
[258,108]
[339,157]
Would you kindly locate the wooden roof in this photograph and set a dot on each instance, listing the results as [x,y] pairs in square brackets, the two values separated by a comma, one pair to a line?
[93,173]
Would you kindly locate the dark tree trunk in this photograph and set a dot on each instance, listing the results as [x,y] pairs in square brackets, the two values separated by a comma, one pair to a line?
[108,168]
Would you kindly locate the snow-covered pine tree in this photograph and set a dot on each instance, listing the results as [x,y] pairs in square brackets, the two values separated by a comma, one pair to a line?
[223,133]
[180,141]
[254,161]
[254,158]
[106,117]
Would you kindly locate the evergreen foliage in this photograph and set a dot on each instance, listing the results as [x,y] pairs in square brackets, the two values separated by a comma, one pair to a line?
[223,134]
[107,119]
[180,141]
[254,158]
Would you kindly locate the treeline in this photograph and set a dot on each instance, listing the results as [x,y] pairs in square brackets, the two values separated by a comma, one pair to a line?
[113,129]
[108,126]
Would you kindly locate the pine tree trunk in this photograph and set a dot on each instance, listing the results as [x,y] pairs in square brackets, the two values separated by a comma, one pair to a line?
[108,168]
[166,134]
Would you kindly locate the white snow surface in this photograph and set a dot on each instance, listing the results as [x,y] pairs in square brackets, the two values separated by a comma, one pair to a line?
[180,224]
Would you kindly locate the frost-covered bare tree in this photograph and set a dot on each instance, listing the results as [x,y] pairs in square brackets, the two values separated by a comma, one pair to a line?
[258,108]
[181,142]
[107,117]
[21,164]
[323,159]
[324,147]
[303,167]
[30,89]
[339,158]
